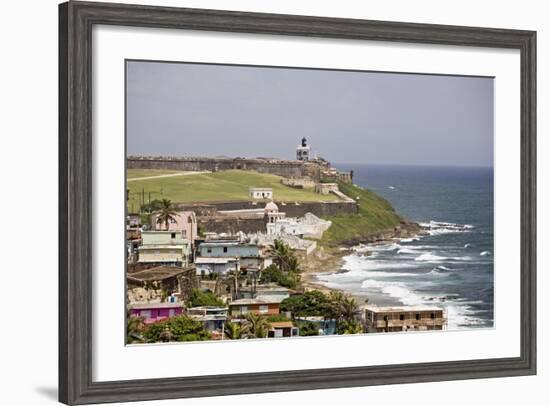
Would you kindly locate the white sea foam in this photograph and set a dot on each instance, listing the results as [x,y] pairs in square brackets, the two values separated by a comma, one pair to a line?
[411,239]
[485,253]
[407,251]
[391,187]
[440,227]
[395,290]
[430,257]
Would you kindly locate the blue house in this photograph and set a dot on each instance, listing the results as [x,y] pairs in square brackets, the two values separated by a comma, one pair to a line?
[228,248]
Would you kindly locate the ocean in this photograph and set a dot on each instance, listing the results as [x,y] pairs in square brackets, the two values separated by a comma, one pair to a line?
[452,267]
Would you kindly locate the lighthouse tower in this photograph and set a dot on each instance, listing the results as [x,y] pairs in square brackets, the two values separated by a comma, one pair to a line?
[302,151]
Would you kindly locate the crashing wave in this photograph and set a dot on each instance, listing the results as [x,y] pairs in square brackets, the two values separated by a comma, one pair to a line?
[440,227]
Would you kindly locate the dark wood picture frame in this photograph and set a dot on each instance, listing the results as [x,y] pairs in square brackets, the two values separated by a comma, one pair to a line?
[76,20]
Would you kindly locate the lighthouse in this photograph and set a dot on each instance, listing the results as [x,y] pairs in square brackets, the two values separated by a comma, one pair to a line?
[303,150]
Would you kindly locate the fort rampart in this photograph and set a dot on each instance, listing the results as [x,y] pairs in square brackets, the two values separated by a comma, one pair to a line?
[279,167]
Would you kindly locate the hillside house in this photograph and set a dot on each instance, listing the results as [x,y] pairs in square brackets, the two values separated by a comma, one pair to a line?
[241,307]
[282,329]
[393,319]
[155,312]
[162,277]
[212,317]
[260,193]
[184,222]
[215,265]
[164,247]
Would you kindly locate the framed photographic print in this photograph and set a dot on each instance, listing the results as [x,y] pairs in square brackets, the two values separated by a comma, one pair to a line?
[259,202]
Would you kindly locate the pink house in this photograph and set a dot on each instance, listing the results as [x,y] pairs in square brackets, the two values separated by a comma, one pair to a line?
[154,312]
[184,222]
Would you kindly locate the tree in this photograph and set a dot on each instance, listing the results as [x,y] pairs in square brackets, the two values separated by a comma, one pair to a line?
[233,331]
[308,328]
[284,257]
[151,207]
[200,298]
[256,326]
[351,326]
[135,326]
[312,303]
[178,328]
[166,213]
[273,274]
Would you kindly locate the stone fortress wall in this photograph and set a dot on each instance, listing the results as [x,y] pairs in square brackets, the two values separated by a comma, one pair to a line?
[279,167]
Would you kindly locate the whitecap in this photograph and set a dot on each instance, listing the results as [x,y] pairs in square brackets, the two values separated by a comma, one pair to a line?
[485,253]
[430,257]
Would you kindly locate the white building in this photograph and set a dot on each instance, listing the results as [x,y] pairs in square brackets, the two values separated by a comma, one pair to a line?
[309,226]
[209,265]
[260,193]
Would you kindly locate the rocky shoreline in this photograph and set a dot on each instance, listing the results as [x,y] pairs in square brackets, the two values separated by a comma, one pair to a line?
[329,259]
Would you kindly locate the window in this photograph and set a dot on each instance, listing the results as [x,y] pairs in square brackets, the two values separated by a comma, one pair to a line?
[244,309]
[385,318]
[184,233]
[417,316]
[173,235]
[209,250]
[432,315]
[146,314]
[401,317]
[264,309]
[224,249]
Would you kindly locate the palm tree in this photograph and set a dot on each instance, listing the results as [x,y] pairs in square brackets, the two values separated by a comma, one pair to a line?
[283,257]
[166,213]
[349,308]
[233,331]
[349,327]
[256,326]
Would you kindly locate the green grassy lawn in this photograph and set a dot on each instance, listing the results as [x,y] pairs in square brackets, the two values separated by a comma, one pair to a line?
[212,187]
[141,173]
[375,214]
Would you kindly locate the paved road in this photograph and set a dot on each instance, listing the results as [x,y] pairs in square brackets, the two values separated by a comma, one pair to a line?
[168,175]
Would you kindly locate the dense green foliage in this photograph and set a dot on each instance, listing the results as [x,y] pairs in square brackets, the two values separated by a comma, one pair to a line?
[200,298]
[349,327]
[134,329]
[375,214]
[312,303]
[307,329]
[179,328]
[285,270]
[334,306]
[273,274]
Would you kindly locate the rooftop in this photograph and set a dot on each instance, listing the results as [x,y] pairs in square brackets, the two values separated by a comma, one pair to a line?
[159,273]
[155,305]
[281,324]
[401,309]
[244,302]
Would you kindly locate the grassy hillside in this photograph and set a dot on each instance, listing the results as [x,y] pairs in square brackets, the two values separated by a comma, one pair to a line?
[375,214]
[210,187]
[140,173]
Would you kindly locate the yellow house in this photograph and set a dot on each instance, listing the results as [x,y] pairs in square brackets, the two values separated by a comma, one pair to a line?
[164,247]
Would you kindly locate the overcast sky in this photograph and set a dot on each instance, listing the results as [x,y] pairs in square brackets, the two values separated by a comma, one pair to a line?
[347,117]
